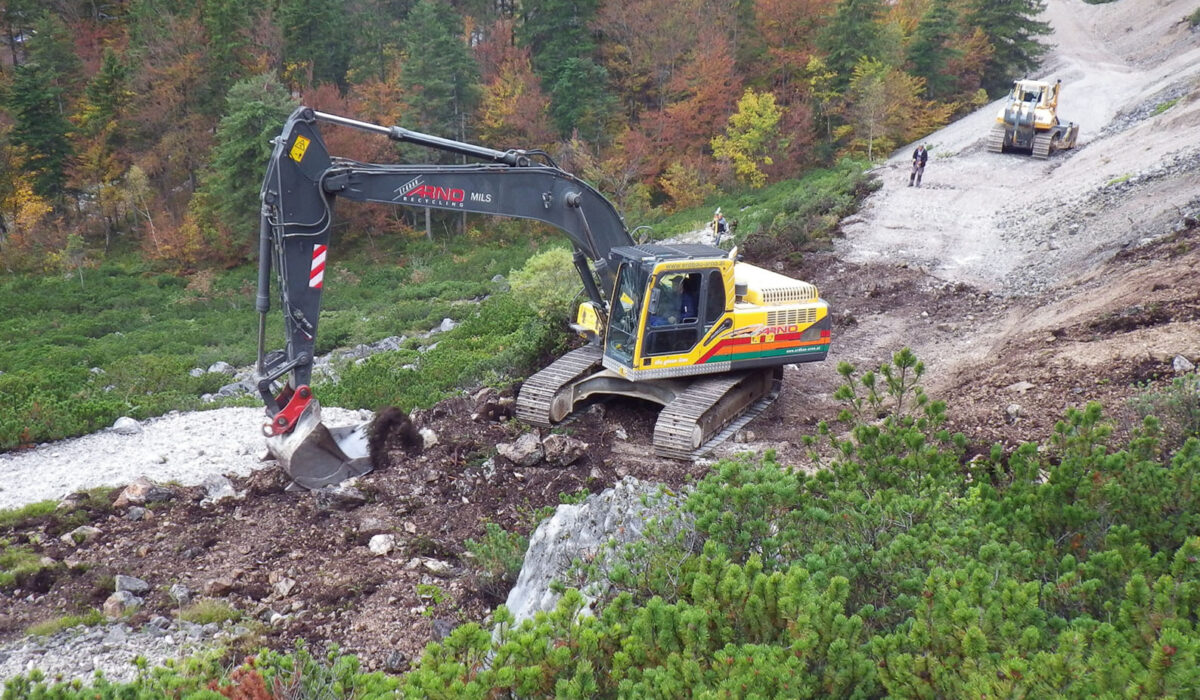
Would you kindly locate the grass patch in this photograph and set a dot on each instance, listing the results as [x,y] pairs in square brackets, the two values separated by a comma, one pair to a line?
[207,610]
[1175,406]
[1164,106]
[1118,180]
[77,358]
[17,563]
[778,209]
[90,618]
[17,517]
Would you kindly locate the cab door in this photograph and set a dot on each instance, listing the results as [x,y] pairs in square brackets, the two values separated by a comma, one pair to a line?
[682,309]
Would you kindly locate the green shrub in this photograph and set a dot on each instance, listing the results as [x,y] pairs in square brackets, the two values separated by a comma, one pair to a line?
[500,342]
[1176,406]
[496,560]
[896,570]
[208,610]
[549,283]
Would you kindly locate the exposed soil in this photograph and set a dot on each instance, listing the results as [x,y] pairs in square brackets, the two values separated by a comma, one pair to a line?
[1027,287]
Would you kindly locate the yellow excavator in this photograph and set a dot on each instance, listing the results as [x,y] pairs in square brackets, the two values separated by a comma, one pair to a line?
[687,326]
[1029,121]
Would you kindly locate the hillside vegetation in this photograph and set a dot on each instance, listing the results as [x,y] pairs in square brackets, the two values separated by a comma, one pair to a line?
[147,122]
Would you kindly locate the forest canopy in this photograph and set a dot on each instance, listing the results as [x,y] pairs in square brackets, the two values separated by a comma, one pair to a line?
[147,122]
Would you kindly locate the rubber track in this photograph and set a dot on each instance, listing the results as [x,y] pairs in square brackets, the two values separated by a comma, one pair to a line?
[537,393]
[995,142]
[1041,145]
[677,420]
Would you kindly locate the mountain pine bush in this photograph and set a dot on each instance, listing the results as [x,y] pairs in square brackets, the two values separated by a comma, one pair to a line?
[898,569]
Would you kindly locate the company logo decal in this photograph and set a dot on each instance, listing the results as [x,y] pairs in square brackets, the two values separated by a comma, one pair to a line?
[415,191]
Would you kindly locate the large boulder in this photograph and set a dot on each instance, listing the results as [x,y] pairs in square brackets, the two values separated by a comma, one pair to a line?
[526,451]
[563,449]
[582,532]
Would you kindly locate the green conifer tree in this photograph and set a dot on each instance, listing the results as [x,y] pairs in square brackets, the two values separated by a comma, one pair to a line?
[257,107]
[1012,27]
[854,31]
[105,95]
[440,76]
[931,49]
[39,127]
[316,40]
[562,46]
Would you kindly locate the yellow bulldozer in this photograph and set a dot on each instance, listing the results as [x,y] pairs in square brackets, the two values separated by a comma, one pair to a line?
[1029,121]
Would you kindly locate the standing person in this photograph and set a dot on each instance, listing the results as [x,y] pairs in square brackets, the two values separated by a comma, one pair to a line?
[920,156]
[720,226]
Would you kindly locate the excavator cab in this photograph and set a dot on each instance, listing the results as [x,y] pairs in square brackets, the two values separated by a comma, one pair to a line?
[664,306]
[692,329]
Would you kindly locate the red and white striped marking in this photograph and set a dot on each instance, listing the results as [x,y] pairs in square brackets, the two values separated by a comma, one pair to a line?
[316,275]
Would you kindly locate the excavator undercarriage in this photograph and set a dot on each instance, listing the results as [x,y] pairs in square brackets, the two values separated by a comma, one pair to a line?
[698,412]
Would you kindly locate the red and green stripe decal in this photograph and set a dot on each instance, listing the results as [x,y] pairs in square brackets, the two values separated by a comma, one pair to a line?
[736,349]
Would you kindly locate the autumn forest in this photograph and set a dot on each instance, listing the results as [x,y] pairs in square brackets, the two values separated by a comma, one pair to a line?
[146,123]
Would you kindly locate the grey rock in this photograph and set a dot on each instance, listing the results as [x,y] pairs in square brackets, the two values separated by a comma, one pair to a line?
[131,584]
[120,604]
[442,628]
[127,426]
[580,532]
[81,535]
[526,451]
[179,593]
[135,513]
[234,389]
[1182,365]
[196,372]
[218,488]
[221,368]
[396,662]
[284,587]
[563,449]
[382,545]
[343,496]
[141,491]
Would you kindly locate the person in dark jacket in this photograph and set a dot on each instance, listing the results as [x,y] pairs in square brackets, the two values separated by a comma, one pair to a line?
[920,156]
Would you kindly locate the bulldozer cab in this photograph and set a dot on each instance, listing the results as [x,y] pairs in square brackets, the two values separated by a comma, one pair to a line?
[666,300]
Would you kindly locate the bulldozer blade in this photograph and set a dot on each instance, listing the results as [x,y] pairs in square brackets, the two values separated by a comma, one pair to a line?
[315,456]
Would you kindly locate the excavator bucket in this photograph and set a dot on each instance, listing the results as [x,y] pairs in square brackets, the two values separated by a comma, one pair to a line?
[314,455]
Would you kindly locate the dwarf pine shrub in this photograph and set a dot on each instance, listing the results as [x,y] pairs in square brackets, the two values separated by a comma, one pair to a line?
[899,569]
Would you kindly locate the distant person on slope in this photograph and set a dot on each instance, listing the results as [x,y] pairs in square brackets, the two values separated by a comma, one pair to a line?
[720,226]
[920,156]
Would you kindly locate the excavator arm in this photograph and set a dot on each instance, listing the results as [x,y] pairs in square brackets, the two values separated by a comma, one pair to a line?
[302,185]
